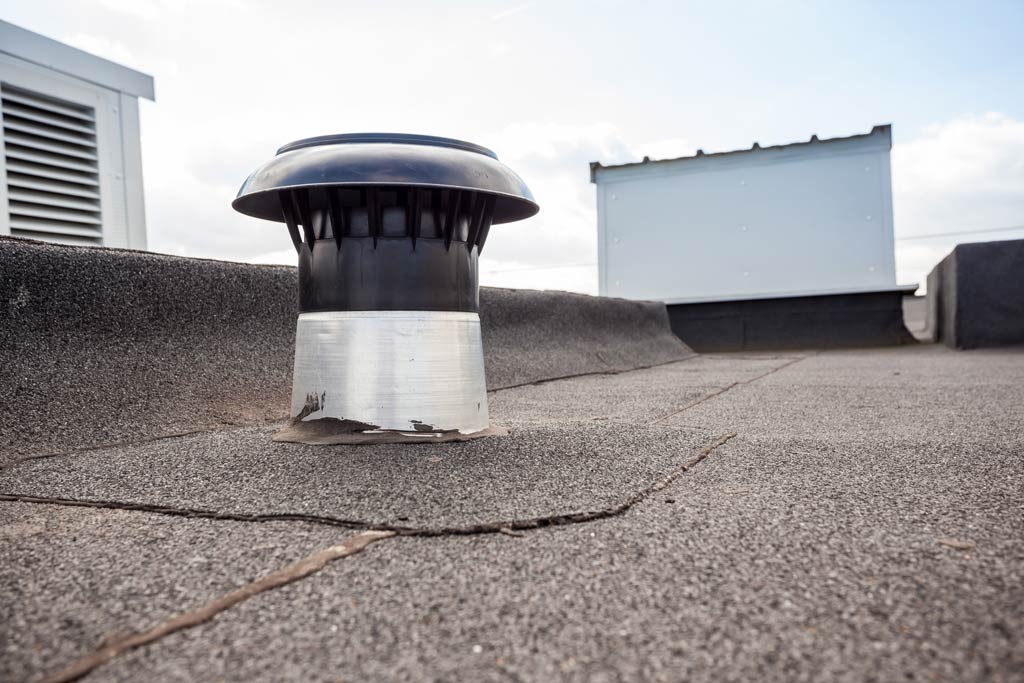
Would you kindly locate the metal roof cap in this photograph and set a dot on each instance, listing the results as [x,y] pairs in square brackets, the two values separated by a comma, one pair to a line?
[384,159]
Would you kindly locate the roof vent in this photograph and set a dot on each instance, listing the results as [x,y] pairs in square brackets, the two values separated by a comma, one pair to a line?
[52,168]
[388,229]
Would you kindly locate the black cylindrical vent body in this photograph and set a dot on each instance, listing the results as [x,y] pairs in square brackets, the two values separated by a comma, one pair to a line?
[389,276]
[388,249]
[386,222]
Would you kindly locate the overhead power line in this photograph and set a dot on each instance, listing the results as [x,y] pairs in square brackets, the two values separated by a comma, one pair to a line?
[898,239]
[551,267]
[959,232]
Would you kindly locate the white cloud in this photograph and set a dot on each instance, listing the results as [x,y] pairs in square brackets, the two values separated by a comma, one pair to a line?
[235,79]
[144,9]
[961,176]
[283,257]
[103,47]
[966,174]
[571,277]
[546,252]
[205,134]
[554,250]
[510,11]
[671,148]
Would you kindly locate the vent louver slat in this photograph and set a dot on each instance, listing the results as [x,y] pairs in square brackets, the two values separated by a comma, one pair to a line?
[52,168]
[36,225]
[52,213]
[48,198]
[48,173]
[15,151]
[28,182]
[46,104]
[67,235]
[15,111]
[47,145]
[49,132]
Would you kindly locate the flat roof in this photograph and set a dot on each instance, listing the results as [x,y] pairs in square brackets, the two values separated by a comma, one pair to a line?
[882,130]
[53,54]
[845,514]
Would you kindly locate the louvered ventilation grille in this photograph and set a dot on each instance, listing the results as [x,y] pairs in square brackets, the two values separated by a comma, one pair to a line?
[53,185]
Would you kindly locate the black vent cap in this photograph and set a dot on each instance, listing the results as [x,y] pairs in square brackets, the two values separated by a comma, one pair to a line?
[384,159]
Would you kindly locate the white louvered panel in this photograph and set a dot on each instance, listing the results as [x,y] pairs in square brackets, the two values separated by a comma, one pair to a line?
[52,213]
[42,227]
[41,144]
[52,168]
[46,158]
[48,236]
[44,173]
[30,99]
[15,110]
[28,182]
[48,132]
[48,198]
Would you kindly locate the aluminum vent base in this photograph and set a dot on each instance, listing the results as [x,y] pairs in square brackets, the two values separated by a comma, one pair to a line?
[374,376]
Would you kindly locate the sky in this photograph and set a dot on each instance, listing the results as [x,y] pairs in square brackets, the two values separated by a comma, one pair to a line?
[551,86]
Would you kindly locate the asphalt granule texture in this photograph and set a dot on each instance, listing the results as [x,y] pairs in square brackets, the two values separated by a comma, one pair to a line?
[72,578]
[864,524]
[532,336]
[534,472]
[803,558]
[104,346]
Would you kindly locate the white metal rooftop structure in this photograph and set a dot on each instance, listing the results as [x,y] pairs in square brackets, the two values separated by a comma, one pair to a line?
[72,162]
[804,219]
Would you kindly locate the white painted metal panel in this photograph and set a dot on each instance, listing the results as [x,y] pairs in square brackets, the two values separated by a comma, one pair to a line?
[68,146]
[790,221]
[134,194]
[83,66]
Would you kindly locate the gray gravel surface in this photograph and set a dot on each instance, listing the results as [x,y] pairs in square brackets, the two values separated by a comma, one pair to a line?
[743,576]
[72,578]
[865,524]
[103,346]
[534,472]
[642,397]
[530,336]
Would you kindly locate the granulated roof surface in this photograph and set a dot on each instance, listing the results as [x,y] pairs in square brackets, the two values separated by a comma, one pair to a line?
[849,515]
